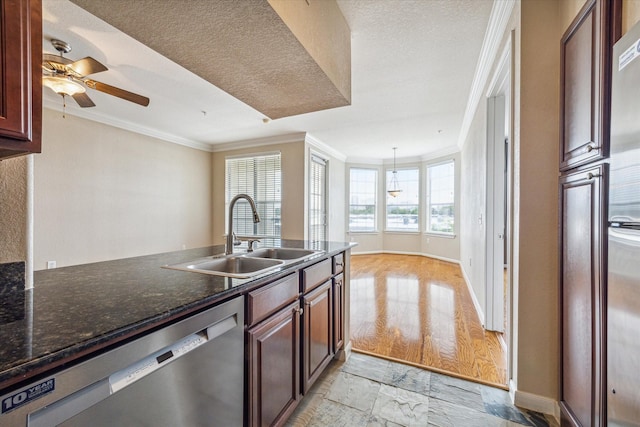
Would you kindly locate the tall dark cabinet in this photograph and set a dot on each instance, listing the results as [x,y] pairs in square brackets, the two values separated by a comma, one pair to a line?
[20,77]
[584,143]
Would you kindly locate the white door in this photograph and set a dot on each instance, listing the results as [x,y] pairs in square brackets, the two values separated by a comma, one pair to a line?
[496,213]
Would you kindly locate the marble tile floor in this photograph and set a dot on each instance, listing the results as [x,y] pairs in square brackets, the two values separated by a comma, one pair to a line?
[368,391]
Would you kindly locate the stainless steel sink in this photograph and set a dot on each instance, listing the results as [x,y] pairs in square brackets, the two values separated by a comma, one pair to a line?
[238,266]
[287,254]
[247,264]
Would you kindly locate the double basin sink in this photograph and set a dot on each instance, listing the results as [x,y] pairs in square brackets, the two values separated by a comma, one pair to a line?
[247,264]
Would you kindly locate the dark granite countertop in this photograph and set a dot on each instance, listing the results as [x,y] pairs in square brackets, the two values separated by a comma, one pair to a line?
[76,311]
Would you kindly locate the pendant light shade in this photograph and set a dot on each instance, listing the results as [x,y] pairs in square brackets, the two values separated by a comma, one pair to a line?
[394,189]
[62,85]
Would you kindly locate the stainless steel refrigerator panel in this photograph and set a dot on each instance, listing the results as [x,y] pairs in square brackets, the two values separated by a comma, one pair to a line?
[624,195]
[623,328]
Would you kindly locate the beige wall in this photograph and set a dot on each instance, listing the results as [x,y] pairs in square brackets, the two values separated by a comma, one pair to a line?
[102,193]
[630,14]
[13,209]
[536,252]
[474,194]
[293,188]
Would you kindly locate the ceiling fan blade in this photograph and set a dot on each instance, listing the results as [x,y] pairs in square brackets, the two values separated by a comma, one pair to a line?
[120,93]
[86,66]
[83,100]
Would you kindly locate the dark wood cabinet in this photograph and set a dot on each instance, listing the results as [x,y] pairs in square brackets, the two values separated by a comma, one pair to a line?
[20,77]
[582,295]
[586,85]
[274,367]
[317,338]
[294,328]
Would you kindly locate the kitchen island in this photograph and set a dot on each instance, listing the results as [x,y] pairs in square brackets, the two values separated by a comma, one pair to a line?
[76,313]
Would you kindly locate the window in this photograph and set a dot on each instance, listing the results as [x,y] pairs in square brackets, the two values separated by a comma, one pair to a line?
[362,199]
[317,199]
[260,178]
[402,210]
[440,198]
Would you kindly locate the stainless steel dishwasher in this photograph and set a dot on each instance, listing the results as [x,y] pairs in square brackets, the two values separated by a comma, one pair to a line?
[190,373]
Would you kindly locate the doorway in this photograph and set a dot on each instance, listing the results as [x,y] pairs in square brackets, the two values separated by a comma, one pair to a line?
[499,174]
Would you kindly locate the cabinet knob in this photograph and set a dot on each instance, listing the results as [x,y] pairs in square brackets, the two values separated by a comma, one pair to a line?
[591,147]
[298,310]
[593,175]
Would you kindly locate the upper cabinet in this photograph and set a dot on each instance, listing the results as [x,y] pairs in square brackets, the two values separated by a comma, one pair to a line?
[585,86]
[20,77]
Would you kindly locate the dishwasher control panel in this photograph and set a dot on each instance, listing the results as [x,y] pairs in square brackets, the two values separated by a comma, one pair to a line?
[134,372]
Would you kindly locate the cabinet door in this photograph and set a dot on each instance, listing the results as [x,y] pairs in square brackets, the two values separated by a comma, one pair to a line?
[274,367]
[585,86]
[318,345]
[338,312]
[582,201]
[20,76]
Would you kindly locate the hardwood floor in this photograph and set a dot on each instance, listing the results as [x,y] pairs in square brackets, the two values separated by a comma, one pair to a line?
[418,310]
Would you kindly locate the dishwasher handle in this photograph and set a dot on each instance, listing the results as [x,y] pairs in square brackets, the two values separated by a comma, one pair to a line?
[140,369]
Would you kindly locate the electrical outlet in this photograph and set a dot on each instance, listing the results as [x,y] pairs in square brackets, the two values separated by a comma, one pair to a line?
[428,240]
[51,264]
[184,246]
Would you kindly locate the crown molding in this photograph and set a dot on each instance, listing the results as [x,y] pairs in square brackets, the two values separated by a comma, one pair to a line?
[121,124]
[310,139]
[364,161]
[258,142]
[447,151]
[500,15]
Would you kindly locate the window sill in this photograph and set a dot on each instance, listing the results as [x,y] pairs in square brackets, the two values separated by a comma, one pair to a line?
[442,235]
[402,231]
[363,232]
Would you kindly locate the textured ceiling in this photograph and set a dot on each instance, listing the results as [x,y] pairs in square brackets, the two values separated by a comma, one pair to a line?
[242,47]
[412,66]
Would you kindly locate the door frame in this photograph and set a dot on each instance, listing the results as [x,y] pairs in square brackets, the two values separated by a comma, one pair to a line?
[495,296]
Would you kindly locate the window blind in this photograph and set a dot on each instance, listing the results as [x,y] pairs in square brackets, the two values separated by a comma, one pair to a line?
[260,177]
[317,199]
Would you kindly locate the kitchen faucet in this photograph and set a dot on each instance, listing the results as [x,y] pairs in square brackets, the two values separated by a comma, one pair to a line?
[231,237]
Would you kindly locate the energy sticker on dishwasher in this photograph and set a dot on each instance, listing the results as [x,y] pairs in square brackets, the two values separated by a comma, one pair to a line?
[27,394]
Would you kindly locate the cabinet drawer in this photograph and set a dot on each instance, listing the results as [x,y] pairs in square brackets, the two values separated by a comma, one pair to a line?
[268,299]
[316,275]
[338,264]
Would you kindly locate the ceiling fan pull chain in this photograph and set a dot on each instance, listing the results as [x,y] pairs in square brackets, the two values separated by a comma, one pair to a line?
[64,106]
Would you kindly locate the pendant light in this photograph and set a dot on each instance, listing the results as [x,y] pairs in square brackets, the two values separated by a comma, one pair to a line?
[394,188]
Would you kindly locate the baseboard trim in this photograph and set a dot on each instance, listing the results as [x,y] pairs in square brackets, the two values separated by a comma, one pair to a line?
[476,303]
[535,402]
[344,354]
[440,258]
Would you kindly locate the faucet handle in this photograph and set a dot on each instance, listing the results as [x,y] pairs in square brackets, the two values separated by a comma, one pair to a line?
[250,244]
[249,239]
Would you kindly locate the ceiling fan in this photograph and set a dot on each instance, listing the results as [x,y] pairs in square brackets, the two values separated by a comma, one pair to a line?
[67,77]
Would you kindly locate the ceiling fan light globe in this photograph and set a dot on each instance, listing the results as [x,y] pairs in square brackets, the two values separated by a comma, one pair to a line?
[62,85]
[394,193]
